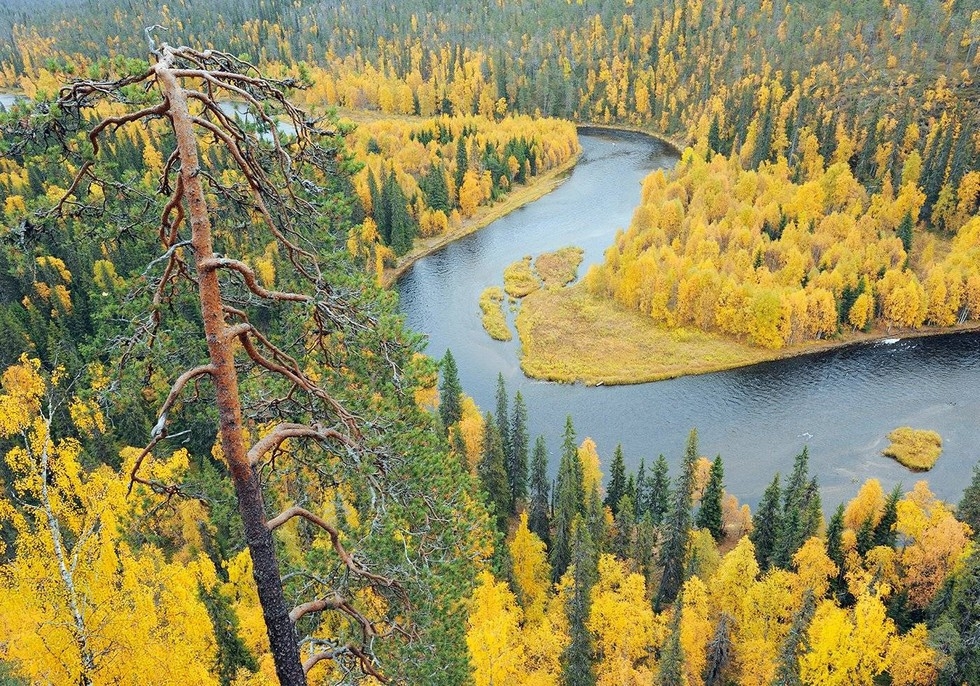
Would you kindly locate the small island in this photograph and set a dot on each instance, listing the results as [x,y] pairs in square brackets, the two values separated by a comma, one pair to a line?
[917,449]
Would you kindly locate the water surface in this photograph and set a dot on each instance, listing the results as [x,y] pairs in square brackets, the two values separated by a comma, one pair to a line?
[841,404]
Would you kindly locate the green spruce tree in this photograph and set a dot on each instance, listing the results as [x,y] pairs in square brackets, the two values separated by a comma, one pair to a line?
[617,481]
[709,514]
[518,456]
[678,523]
[539,520]
[450,392]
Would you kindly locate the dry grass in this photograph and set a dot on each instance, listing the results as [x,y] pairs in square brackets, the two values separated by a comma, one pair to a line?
[519,280]
[559,268]
[568,335]
[917,449]
[494,321]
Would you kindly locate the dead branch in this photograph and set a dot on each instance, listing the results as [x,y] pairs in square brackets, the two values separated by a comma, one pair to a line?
[363,659]
[319,605]
[345,557]
[250,279]
[283,432]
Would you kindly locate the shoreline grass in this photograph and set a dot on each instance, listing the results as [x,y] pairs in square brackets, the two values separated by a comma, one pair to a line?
[519,279]
[494,320]
[559,268]
[916,449]
[568,335]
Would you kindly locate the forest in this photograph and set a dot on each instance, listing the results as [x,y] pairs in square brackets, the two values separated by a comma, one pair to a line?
[225,460]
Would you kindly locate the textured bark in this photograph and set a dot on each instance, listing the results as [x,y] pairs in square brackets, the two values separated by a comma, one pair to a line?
[282,635]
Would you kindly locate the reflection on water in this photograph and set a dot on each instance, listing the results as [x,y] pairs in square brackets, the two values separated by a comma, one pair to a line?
[840,403]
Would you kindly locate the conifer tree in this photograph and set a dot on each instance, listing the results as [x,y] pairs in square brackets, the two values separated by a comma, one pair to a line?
[538,517]
[671,668]
[968,510]
[709,514]
[678,528]
[569,501]
[450,392]
[503,415]
[795,643]
[904,232]
[517,457]
[658,491]
[642,504]
[577,662]
[884,532]
[835,551]
[625,523]
[766,524]
[720,652]
[493,476]
[617,481]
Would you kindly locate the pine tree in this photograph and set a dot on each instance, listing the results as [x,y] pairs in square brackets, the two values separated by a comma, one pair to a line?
[642,504]
[968,511]
[503,415]
[493,476]
[795,643]
[905,231]
[801,514]
[617,481]
[450,392]
[678,528]
[709,514]
[835,551]
[720,652]
[625,522]
[766,524]
[671,668]
[569,501]
[658,491]
[517,457]
[884,532]
[577,662]
[462,161]
[538,516]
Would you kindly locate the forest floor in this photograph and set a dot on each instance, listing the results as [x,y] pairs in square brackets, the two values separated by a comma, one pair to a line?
[571,336]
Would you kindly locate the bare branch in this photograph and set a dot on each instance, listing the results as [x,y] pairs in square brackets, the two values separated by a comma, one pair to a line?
[283,432]
[248,276]
[346,558]
[175,391]
[332,603]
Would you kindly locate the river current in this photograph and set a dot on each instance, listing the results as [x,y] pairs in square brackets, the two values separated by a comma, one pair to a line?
[839,403]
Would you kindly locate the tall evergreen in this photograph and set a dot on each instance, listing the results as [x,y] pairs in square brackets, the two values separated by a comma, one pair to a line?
[617,481]
[720,652]
[450,392]
[835,551]
[968,510]
[503,414]
[955,628]
[641,489]
[435,189]
[462,161]
[801,513]
[678,528]
[795,644]
[569,501]
[625,522]
[670,670]
[658,491]
[576,661]
[766,524]
[884,532]
[905,231]
[709,514]
[518,450]
[493,476]
[538,514]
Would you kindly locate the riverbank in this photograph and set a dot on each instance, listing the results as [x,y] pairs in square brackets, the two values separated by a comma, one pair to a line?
[485,215]
[623,347]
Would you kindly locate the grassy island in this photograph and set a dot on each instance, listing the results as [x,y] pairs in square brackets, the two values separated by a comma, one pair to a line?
[917,449]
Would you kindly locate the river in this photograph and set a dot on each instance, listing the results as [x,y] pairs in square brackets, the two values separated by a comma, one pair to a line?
[839,403]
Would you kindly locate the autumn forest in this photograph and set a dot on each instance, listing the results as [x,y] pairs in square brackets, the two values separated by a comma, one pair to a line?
[226,459]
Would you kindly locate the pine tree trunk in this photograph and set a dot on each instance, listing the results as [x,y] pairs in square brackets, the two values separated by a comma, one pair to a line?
[282,635]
